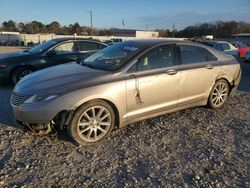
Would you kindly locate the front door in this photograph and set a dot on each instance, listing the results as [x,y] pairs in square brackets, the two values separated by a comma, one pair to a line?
[152,83]
[63,53]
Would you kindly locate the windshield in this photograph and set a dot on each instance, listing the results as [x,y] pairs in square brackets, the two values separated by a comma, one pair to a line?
[42,47]
[113,57]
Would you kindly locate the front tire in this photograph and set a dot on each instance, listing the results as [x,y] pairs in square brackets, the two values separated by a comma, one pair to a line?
[92,123]
[219,94]
[20,73]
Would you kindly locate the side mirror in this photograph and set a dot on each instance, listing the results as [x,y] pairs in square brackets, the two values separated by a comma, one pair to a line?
[51,53]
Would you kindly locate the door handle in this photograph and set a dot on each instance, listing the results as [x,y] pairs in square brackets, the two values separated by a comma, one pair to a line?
[171,72]
[209,66]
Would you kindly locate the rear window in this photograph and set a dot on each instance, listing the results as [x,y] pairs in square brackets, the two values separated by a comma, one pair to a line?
[225,46]
[195,54]
[218,47]
[89,46]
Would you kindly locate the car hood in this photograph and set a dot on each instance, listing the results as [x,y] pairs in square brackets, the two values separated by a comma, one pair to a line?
[14,55]
[61,79]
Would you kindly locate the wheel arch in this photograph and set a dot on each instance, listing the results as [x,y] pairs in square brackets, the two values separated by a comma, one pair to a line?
[109,102]
[19,67]
[216,80]
[230,84]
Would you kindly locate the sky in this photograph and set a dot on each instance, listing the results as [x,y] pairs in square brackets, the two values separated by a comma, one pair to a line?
[137,14]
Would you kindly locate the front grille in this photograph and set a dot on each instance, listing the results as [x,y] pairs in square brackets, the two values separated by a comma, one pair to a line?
[18,99]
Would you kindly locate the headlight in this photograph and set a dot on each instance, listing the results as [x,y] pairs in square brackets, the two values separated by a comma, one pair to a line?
[38,98]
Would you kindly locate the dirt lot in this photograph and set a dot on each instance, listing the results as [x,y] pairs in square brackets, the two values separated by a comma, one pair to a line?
[198,147]
[8,49]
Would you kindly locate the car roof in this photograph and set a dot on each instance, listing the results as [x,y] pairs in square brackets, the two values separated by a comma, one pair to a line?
[214,41]
[75,38]
[154,42]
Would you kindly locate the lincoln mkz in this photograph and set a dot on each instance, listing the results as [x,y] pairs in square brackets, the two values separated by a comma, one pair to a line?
[122,84]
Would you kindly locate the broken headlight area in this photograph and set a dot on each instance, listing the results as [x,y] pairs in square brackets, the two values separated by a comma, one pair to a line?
[38,98]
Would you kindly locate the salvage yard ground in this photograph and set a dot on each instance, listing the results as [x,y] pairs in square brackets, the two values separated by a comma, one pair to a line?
[8,49]
[198,147]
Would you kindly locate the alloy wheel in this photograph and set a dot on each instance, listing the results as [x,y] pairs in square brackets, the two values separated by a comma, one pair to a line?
[24,73]
[94,123]
[219,94]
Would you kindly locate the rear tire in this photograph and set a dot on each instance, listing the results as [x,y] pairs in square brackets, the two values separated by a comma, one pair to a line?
[20,73]
[219,94]
[92,123]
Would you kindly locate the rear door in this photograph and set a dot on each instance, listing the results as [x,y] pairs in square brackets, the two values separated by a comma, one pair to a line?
[199,71]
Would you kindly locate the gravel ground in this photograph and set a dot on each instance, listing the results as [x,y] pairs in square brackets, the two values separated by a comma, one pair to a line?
[9,49]
[198,147]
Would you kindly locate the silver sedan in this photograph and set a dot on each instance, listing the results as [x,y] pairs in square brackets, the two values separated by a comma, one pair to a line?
[121,84]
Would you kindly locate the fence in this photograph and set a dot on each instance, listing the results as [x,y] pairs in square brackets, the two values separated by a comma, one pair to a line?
[38,38]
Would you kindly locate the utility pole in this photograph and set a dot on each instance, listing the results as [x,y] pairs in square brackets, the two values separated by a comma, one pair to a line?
[91,20]
[173,30]
[123,23]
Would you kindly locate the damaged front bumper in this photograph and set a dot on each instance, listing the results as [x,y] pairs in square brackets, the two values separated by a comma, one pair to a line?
[41,117]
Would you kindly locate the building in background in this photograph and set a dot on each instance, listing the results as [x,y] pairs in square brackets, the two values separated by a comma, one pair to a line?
[15,38]
[140,34]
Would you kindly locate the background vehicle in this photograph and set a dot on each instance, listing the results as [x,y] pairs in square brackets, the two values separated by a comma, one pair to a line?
[14,66]
[247,56]
[122,84]
[113,41]
[224,47]
[241,47]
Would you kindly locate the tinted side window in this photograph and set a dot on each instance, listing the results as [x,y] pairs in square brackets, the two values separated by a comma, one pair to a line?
[225,46]
[101,46]
[195,54]
[159,57]
[65,48]
[211,56]
[88,46]
[218,47]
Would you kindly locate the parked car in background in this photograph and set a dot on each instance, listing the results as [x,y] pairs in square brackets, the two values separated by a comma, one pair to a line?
[121,84]
[224,47]
[14,66]
[113,41]
[243,48]
[247,56]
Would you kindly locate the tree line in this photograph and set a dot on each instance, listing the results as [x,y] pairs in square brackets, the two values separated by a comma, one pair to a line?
[35,27]
[218,29]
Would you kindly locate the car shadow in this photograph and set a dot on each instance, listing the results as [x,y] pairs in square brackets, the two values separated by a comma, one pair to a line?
[245,79]
[6,114]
